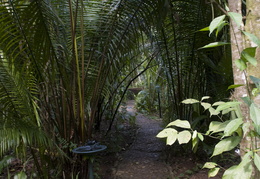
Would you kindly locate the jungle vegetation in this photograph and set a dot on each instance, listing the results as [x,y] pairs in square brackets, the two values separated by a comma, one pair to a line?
[65,67]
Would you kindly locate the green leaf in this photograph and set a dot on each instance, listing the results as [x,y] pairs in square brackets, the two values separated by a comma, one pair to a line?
[227,105]
[184,137]
[210,165]
[256,81]
[237,17]
[171,138]
[170,133]
[247,100]
[200,136]
[226,7]
[214,44]
[213,111]
[248,57]
[257,128]
[226,145]
[215,23]
[234,86]
[253,38]
[213,172]
[216,126]
[240,64]
[257,161]
[166,132]
[206,105]
[204,97]
[220,27]
[218,103]
[255,114]
[204,29]
[194,141]
[180,123]
[225,111]
[190,101]
[195,134]
[241,171]
[232,126]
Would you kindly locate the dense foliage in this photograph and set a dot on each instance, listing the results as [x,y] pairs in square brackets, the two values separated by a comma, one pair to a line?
[66,65]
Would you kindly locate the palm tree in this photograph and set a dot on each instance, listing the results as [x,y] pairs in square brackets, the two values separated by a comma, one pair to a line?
[59,61]
[63,63]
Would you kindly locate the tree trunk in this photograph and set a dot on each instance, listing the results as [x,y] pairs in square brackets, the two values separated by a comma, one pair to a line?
[252,26]
[237,45]
[240,42]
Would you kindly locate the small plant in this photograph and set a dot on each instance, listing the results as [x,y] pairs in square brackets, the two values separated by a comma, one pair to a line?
[230,133]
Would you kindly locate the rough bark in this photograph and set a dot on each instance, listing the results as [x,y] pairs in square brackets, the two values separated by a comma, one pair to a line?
[237,45]
[240,42]
[252,26]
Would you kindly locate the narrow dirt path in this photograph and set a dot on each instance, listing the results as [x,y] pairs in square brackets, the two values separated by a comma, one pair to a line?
[144,159]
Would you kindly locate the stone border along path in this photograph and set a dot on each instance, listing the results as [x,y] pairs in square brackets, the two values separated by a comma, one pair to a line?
[143,159]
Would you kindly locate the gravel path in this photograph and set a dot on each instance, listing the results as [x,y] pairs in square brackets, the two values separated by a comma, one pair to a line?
[144,159]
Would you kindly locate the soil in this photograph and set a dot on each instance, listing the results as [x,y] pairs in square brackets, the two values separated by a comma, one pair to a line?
[143,156]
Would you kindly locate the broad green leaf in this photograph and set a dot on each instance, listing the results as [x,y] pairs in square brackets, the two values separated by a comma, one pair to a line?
[249,58]
[253,38]
[184,137]
[180,123]
[227,105]
[204,97]
[234,86]
[232,126]
[216,126]
[210,165]
[166,132]
[256,81]
[170,133]
[236,172]
[220,27]
[257,128]
[250,50]
[218,103]
[257,161]
[200,136]
[240,64]
[226,145]
[225,111]
[213,111]
[171,138]
[241,171]
[255,114]
[236,17]
[206,105]
[190,101]
[204,29]
[215,23]
[213,172]
[214,44]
